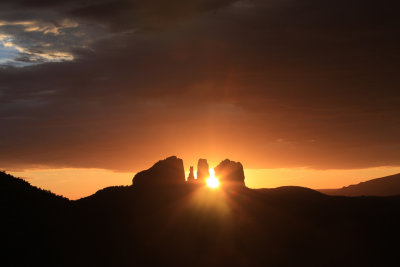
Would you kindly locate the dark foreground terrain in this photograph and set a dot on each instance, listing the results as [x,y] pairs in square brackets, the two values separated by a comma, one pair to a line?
[163,221]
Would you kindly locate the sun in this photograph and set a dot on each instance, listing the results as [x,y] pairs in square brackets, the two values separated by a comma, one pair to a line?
[212,181]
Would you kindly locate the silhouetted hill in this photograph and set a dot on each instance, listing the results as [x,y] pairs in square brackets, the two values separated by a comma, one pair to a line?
[30,219]
[385,186]
[17,189]
[188,224]
[293,192]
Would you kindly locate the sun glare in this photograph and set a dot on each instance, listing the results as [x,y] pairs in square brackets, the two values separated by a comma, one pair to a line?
[212,181]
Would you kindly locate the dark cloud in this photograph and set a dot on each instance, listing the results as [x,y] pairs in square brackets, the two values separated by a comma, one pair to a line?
[123,14]
[273,83]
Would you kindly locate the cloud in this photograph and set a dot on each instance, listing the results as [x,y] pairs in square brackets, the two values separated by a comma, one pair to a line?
[270,83]
[43,35]
[40,26]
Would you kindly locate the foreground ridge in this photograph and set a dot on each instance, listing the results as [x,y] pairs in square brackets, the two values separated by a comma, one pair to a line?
[162,220]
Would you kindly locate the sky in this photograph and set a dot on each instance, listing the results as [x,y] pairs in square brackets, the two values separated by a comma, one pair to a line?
[116,85]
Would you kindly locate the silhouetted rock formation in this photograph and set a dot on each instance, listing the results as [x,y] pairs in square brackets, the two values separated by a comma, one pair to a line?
[203,171]
[169,171]
[190,178]
[230,173]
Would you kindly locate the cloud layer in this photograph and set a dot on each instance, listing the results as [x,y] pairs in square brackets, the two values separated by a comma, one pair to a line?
[271,83]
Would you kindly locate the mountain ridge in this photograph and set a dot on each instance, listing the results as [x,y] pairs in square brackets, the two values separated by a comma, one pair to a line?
[383,186]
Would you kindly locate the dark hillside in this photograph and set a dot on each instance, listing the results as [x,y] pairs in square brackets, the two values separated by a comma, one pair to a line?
[385,186]
[32,220]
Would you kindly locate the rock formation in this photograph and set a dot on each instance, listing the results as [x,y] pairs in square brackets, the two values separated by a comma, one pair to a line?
[203,171]
[169,171]
[230,173]
[191,175]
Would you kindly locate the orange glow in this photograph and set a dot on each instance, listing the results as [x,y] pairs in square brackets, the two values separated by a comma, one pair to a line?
[81,182]
[212,181]
[74,183]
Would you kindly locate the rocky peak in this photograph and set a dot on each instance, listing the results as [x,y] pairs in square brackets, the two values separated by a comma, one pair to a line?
[203,171]
[230,173]
[191,175]
[169,171]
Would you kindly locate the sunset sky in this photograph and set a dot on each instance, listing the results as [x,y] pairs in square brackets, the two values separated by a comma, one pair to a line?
[301,92]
